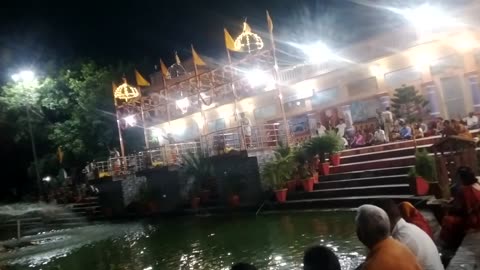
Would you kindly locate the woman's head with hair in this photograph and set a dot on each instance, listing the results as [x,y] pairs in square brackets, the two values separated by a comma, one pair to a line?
[466,175]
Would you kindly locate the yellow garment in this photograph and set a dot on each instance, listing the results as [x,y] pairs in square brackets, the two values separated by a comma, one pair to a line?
[177,59]
[196,58]
[140,80]
[229,42]
[390,254]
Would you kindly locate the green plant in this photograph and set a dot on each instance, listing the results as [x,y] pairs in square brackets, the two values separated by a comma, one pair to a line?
[277,171]
[283,150]
[326,144]
[198,166]
[424,166]
[408,104]
[303,168]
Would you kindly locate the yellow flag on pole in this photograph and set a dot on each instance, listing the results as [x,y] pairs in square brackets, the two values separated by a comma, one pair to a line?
[246,27]
[140,80]
[196,58]
[177,59]
[269,22]
[229,43]
[164,70]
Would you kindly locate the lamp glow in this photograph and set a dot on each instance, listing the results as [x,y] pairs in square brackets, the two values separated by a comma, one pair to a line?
[130,120]
[317,52]
[257,78]
[426,18]
[157,133]
[183,104]
[24,75]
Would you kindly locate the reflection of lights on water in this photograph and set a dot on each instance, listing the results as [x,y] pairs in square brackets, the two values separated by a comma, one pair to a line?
[148,268]
[277,258]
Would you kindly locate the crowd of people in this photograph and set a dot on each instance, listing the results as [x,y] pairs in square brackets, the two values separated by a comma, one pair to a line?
[389,129]
[399,237]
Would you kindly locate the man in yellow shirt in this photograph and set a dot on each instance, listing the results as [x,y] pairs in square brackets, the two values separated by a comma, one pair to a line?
[373,230]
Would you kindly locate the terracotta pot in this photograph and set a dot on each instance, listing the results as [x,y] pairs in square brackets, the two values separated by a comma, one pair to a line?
[195,202]
[292,185]
[308,184]
[422,186]
[204,195]
[325,168]
[234,200]
[281,195]
[335,159]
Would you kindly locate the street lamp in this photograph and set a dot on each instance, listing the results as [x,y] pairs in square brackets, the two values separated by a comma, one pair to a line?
[26,79]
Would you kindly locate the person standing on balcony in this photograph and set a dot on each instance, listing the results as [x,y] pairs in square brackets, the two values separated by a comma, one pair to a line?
[246,128]
[387,119]
[341,127]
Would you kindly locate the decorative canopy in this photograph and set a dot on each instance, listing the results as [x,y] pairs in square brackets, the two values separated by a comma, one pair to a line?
[248,41]
[126,92]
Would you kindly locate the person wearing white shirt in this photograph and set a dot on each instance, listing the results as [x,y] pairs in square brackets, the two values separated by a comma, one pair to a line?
[341,128]
[471,120]
[387,118]
[379,136]
[413,237]
[321,129]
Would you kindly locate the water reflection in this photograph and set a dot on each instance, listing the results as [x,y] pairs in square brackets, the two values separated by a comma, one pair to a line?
[269,242]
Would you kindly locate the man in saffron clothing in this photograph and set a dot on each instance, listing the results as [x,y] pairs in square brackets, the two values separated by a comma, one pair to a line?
[373,230]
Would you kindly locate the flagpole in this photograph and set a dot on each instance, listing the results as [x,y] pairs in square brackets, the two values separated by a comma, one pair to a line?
[120,137]
[142,106]
[202,113]
[165,85]
[277,77]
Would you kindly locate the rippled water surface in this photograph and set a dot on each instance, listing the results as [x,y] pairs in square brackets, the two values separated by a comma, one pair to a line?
[268,241]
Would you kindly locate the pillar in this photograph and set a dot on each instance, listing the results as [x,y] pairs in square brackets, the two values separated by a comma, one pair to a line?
[432,96]
[474,87]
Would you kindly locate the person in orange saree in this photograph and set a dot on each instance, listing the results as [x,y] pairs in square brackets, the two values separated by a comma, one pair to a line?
[373,230]
[412,215]
[464,214]
[461,129]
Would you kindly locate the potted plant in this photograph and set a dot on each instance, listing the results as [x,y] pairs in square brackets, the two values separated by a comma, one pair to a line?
[284,151]
[423,173]
[275,173]
[320,146]
[235,183]
[199,167]
[303,170]
[337,146]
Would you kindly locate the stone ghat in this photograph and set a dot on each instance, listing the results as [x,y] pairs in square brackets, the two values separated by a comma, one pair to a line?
[467,256]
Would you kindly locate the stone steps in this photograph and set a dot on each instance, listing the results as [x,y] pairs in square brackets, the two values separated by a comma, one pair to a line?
[362,182]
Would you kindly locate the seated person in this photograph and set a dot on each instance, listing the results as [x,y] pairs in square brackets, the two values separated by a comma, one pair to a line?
[368,137]
[358,140]
[412,215]
[419,243]
[465,211]
[379,136]
[405,131]
[447,129]
[471,121]
[461,129]
[373,230]
[418,131]
[320,258]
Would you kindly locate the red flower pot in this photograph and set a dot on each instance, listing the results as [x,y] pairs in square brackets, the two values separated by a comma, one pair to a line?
[204,195]
[423,187]
[195,202]
[281,195]
[292,185]
[335,159]
[308,184]
[234,200]
[326,168]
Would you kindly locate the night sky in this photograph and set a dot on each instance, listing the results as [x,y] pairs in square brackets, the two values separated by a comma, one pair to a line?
[33,33]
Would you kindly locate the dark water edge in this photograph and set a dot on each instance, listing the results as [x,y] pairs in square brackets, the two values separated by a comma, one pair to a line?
[275,241]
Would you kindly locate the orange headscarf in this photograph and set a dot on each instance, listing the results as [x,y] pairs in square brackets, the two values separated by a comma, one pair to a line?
[412,215]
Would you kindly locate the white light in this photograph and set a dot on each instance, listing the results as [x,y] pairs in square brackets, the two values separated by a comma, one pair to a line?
[258,78]
[183,104]
[47,178]
[130,120]
[317,52]
[427,18]
[157,133]
[24,75]
[303,93]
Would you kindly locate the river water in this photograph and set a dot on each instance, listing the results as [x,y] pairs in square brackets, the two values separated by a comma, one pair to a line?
[274,241]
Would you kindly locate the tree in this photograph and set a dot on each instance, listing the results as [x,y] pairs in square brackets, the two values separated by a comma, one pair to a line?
[408,104]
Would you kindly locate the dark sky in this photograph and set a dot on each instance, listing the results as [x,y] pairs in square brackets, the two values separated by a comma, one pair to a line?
[141,31]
